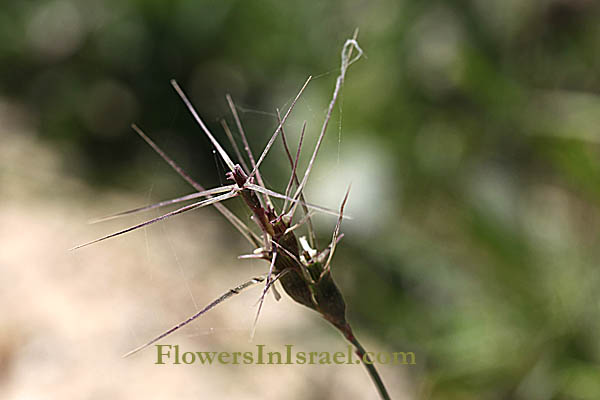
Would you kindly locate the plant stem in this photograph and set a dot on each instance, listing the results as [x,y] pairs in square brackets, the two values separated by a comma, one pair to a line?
[361,353]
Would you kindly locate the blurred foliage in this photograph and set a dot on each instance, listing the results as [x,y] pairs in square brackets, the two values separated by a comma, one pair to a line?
[485,260]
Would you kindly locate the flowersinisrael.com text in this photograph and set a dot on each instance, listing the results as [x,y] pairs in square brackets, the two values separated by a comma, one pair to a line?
[172,354]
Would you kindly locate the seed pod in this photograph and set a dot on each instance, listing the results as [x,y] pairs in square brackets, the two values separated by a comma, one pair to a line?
[306,283]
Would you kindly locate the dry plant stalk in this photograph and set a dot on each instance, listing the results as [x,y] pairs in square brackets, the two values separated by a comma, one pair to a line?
[304,273]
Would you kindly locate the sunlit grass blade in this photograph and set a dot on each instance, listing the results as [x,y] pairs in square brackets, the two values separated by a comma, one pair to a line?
[262,296]
[222,298]
[236,148]
[240,128]
[301,222]
[194,113]
[274,136]
[324,210]
[336,232]
[293,174]
[347,60]
[252,237]
[294,178]
[162,217]
[164,203]
[168,159]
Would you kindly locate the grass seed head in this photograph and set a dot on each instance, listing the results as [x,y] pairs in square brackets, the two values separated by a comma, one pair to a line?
[303,272]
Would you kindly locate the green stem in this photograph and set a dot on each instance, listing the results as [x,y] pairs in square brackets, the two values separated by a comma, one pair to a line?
[361,353]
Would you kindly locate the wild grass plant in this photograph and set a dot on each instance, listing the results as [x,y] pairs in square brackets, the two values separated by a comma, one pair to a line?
[303,271]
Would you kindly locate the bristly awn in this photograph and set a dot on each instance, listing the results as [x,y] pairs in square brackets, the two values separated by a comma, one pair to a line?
[303,272]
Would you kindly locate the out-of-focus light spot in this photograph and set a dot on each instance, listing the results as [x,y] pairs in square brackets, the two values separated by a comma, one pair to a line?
[545,215]
[494,193]
[434,55]
[374,191]
[55,30]
[569,114]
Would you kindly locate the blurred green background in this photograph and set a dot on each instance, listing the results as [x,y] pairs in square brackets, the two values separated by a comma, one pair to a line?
[470,131]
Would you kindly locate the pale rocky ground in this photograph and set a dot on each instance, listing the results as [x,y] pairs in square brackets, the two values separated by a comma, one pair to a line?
[67,317]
